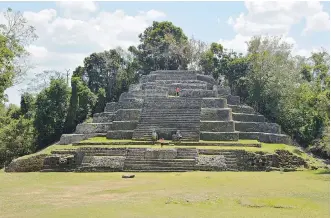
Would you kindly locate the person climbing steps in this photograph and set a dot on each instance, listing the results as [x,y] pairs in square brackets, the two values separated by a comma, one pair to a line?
[177,91]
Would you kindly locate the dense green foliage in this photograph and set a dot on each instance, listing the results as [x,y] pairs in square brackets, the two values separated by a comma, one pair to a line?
[163,46]
[51,110]
[292,91]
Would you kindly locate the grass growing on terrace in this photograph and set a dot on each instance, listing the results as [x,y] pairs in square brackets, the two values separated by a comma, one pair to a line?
[265,147]
[191,194]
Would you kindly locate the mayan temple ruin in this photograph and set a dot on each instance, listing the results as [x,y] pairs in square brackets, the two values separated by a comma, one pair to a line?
[203,110]
[171,104]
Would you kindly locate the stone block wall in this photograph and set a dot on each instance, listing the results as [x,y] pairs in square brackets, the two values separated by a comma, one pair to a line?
[90,159]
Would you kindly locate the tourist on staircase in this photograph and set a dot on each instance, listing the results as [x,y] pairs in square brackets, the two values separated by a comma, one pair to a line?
[177,91]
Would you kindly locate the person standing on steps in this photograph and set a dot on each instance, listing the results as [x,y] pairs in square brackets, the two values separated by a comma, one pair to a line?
[177,91]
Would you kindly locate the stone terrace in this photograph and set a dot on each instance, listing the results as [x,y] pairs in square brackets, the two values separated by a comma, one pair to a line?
[203,111]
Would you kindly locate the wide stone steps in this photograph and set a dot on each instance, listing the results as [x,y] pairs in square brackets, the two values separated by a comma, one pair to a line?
[163,133]
[127,114]
[104,117]
[167,169]
[180,123]
[176,81]
[96,169]
[266,137]
[248,117]
[193,93]
[257,127]
[217,126]
[219,136]
[88,128]
[242,109]
[216,114]
[233,100]
[130,104]
[119,134]
[213,103]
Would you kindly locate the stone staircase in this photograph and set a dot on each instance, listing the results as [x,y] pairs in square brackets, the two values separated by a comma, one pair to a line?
[167,115]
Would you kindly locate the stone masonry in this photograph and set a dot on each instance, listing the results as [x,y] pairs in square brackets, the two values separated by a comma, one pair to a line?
[96,159]
[203,110]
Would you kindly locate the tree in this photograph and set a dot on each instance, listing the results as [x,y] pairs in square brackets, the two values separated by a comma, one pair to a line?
[18,34]
[196,49]
[211,60]
[6,68]
[100,71]
[159,47]
[27,104]
[273,74]
[17,139]
[42,80]
[51,110]
[82,103]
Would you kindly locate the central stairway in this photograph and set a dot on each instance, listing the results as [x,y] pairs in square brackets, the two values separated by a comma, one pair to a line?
[166,115]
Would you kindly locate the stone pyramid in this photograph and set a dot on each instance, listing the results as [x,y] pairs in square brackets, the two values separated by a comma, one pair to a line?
[203,110]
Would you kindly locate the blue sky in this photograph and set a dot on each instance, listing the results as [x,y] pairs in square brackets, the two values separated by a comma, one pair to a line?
[68,32]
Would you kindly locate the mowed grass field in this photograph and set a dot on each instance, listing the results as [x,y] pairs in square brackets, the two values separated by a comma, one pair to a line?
[190,194]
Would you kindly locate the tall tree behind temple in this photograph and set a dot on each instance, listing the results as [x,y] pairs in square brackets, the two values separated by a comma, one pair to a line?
[51,111]
[162,47]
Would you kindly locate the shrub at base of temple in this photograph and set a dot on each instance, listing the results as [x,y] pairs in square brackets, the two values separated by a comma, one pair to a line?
[30,164]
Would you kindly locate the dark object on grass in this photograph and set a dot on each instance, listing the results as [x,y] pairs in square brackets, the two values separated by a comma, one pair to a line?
[128,176]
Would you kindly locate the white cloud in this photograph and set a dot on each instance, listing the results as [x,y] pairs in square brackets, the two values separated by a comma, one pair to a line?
[65,39]
[238,44]
[278,17]
[317,22]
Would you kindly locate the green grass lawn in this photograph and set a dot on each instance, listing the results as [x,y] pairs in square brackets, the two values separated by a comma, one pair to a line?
[190,194]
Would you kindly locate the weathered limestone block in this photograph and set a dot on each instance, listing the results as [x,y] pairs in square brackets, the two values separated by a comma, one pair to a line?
[120,134]
[233,100]
[111,107]
[211,162]
[160,153]
[216,114]
[242,109]
[127,104]
[134,87]
[266,137]
[33,163]
[286,159]
[87,128]
[248,117]
[195,93]
[59,162]
[105,117]
[127,114]
[130,95]
[206,78]
[187,153]
[96,151]
[223,91]
[257,127]
[217,126]
[67,139]
[254,161]
[136,153]
[213,103]
[219,136]
[110,162]
[123,125]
